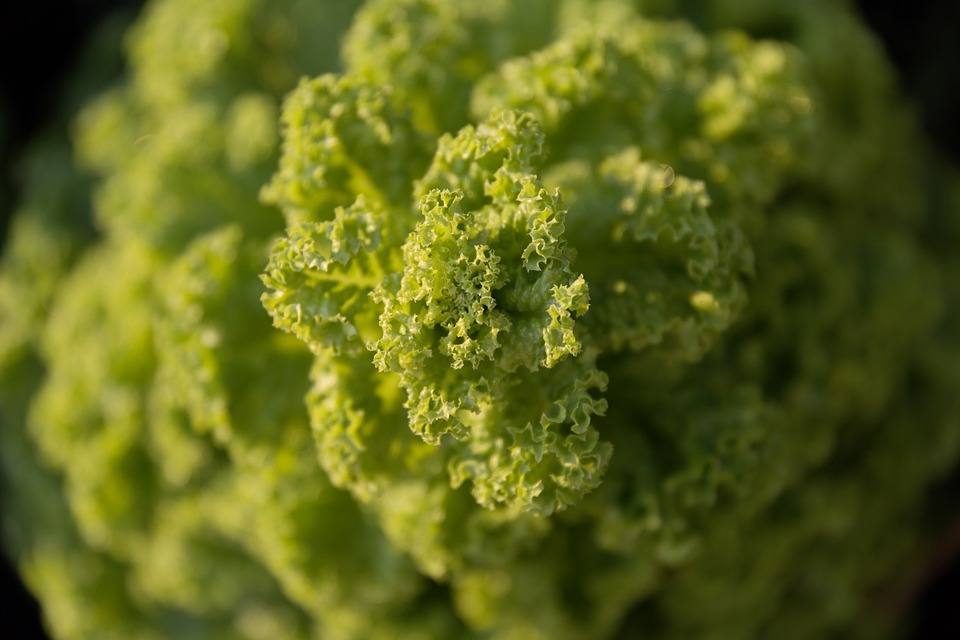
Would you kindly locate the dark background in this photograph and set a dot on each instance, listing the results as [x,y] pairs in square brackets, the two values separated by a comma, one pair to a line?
[40,40]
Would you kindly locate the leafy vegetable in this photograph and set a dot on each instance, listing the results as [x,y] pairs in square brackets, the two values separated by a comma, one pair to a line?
[588,322]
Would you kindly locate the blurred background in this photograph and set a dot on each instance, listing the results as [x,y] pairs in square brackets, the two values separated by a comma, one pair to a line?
[40,41]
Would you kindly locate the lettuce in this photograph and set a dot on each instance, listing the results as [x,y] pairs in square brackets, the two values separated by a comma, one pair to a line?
[507,320]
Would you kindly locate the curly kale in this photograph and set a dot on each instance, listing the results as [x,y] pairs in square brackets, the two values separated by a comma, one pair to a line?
[590,319]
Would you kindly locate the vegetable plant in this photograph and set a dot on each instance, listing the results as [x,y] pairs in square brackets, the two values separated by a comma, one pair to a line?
[445,319]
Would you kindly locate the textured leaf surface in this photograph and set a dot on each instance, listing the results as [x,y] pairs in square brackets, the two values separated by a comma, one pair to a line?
[589,320]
